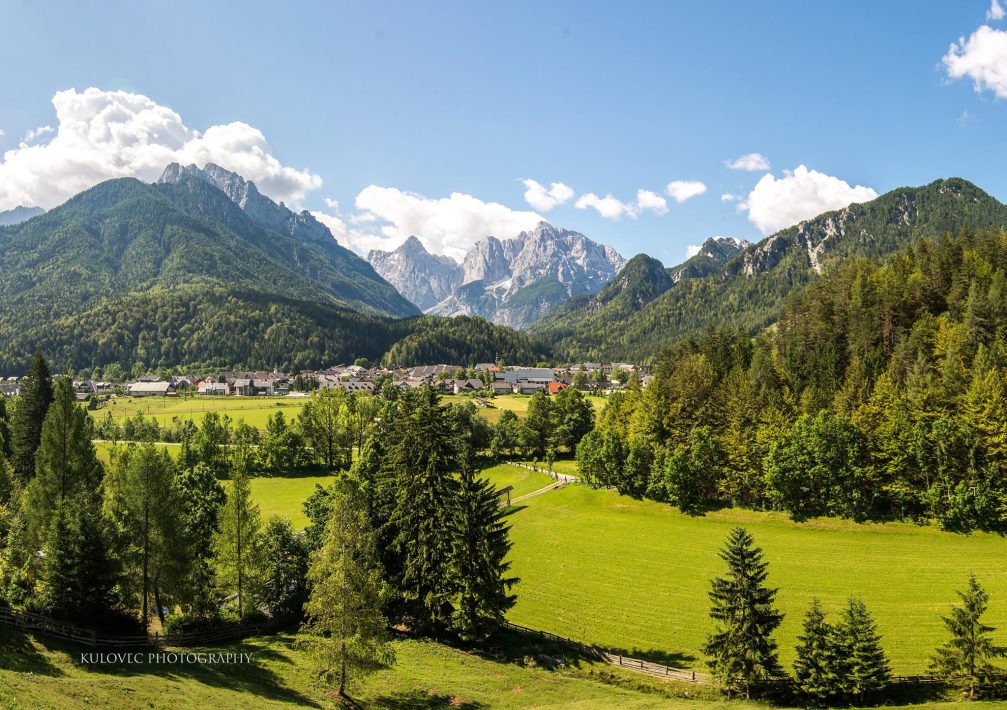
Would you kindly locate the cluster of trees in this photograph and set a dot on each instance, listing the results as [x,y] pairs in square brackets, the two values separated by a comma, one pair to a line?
[881,393]
[553,424]
[407,533]
[841,662]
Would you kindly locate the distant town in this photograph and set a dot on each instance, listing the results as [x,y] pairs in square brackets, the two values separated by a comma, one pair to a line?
[483,379]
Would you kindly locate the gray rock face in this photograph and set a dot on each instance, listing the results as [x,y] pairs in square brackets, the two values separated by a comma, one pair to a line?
[517,281]
[262,210]
[18,215]
[424,278]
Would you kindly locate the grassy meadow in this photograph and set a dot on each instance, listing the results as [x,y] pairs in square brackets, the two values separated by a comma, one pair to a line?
[633,575]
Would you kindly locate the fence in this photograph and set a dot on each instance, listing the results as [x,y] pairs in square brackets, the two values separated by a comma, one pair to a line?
[614,659]
[37,623]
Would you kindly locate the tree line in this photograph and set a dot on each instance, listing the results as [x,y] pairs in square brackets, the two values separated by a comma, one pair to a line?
[881,393]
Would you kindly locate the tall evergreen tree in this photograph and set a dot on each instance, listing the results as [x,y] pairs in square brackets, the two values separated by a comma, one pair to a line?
[5,440]
[238,545]
[742,651]
[347,592]
[478,560]
[816,669]
[420,458]
[26,425]
[864,667]
[967,658]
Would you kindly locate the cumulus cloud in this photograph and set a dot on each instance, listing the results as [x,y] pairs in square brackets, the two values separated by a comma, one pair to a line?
[996,11]
[447,225]
[775,203]
[749,162]
[608,206]
[982,58]
[728,197]
[107,134]
[647,200]
[692,249]
[682,190]
[544,199]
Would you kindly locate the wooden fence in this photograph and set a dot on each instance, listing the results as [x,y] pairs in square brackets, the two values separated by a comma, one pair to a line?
[614,659]
[39,624]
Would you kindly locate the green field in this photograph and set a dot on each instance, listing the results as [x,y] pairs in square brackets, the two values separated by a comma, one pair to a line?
[168,411]
[39,673]
[522,480]
[633,575]
[285,495]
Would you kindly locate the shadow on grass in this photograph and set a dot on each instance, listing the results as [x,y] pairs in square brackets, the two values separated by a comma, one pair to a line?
[513,509]
[421,700]
[252,678]
[675,659]
[19,654]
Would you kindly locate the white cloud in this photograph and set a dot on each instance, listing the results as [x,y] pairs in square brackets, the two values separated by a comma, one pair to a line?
[647,200]
[682,190]
[981,58]
[2,133]
[608,206]
[331,204]
[728,197]
[544,199]
[448,225]
[996,11]
[107,134]
[33,134]
[749,162]
[692,249]
[800,194]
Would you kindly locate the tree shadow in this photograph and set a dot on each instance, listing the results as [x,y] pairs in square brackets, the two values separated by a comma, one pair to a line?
[675,659]
[422,700]
[513,509]
[251,678]
[18,653]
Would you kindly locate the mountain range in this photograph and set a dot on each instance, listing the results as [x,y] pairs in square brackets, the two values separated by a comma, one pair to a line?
[201,269]
[511,282]
[745,285]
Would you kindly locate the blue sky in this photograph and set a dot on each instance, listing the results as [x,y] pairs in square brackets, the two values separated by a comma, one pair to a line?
[389,108]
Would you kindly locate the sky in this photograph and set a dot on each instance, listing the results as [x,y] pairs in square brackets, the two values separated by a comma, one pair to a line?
[647,126]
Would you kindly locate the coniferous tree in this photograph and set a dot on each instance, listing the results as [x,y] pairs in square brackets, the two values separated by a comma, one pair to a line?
[742,651]
[420,458]
[201,498]
[344,609]
[478,560]
[864,666]
[817,667]
[5,440]
[238,544]
[26,424]
[966,660]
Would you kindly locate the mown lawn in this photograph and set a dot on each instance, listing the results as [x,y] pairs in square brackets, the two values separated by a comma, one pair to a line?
[285,495]
[634,575]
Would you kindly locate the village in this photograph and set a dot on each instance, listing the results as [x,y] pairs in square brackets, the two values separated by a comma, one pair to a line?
[486,379]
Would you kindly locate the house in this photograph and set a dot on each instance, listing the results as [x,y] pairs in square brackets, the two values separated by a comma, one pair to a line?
[243,387]
[528,374]
[151,389]
[10,389]
[528,387]
[459,386]
[556,387]
[263,387]
[358,386]
[487,367]
[501,387]
[213,389]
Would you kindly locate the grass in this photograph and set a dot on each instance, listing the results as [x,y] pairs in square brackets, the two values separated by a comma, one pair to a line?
[169,411]
[285,495]
[43,674]
[633,575]
[523,480]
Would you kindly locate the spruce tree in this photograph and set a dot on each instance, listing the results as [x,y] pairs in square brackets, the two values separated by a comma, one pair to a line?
[817,665]
[344,610]
[864,666]
[26,423]
[478,560]
[421,456]
[966,660]
[742,651]
[5,440]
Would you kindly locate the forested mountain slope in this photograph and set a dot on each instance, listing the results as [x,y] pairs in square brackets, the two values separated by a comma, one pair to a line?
[750,289]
